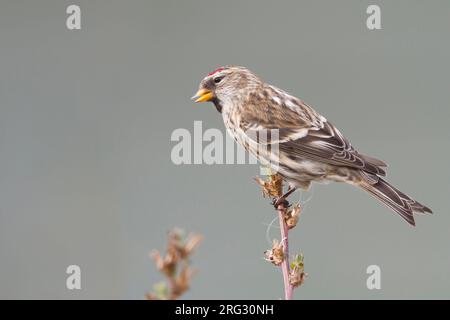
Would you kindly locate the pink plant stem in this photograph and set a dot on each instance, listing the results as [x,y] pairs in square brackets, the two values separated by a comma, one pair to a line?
[288,288]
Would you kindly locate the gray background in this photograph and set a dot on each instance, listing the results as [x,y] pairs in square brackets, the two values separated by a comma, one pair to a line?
[86,117]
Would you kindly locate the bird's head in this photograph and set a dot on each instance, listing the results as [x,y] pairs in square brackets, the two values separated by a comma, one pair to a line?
[226,85]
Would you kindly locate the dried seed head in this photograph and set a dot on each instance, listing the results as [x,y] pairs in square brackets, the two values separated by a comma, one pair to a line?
[273,187]
[297,278]
[275,255]
[192,241]
[297,275]
[175,265]
[181,283]
[166,265]
[292,216]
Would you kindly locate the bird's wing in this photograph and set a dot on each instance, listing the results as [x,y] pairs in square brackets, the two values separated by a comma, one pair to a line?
[302,132]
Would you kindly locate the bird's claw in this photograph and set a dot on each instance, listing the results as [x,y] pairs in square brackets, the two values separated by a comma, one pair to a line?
[277,201]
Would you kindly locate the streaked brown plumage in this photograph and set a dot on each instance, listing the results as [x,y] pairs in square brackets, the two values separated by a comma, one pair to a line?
[308,147]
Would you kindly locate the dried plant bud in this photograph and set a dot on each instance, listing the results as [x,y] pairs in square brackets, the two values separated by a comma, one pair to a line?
[180,247]
[297,274]
[192,242]
[292,216]
[262,183]
[181,283]
[297,278]
[175,265]
[175,242]
[275,255]
[166,265]
[273,187]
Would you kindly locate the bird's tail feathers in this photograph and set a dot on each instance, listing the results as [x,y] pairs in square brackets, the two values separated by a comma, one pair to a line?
[401,203]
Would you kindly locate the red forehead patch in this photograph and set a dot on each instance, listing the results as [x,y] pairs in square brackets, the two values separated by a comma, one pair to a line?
[215,71]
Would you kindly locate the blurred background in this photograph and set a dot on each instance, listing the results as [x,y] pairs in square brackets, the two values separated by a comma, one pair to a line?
[86,117]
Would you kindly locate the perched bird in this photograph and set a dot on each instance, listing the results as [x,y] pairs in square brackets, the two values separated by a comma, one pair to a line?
[308,147]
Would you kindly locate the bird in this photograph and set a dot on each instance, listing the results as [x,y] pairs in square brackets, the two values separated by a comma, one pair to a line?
[300,144]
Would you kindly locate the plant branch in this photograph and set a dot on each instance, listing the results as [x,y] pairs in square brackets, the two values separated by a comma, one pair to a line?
[288,288]
[293,273]
[175,265]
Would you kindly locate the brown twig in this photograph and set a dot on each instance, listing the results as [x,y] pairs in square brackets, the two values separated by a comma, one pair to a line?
[175,266]
[288,288]
[293,275]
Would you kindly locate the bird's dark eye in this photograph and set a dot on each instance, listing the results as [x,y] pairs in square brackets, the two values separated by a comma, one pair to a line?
[218,79]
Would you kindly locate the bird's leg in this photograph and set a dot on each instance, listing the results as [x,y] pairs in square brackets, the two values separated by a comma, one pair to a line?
[282,200]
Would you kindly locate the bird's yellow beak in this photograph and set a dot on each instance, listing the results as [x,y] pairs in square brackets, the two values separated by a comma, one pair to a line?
[203,95]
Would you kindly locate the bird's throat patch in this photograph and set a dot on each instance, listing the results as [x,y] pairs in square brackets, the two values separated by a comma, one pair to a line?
[217,104]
